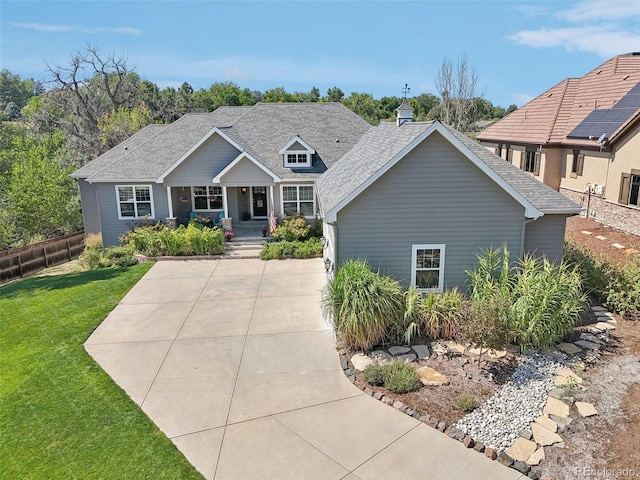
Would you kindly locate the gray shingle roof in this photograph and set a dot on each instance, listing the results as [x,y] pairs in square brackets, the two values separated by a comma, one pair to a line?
[380,145]
[261,130]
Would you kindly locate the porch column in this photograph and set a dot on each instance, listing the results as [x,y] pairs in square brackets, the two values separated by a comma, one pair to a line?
[224,202]
[170,202]
[273,204]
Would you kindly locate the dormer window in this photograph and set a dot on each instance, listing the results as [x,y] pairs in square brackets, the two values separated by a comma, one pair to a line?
[297,159]
[297,154]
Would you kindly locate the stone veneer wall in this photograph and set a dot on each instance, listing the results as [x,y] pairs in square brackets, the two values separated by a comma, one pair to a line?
[604,211]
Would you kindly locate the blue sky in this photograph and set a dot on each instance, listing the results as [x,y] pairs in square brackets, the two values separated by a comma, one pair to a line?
[518,48]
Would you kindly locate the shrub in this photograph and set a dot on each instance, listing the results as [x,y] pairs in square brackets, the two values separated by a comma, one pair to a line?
[92,258]
[466,402]
[191,240]
[297,249]
[292,227]
[362,304]
[539,300]
[615,286]
[120,256]
[374,375]
[400,377]
[439,314]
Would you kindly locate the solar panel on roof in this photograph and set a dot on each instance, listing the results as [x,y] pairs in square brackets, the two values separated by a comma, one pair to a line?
[606,121]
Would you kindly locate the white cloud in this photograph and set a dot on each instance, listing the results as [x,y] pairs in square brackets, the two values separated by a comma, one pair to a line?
[601,10]
[605,41]
[40,27]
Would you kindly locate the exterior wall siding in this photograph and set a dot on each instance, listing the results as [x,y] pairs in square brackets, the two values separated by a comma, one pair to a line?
[90,212]
[602,210]
[203,164]
[545,237]
[112,227]
[434,195]
[594,171]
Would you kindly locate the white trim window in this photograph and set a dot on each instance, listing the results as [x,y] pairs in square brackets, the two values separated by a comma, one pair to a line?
[427,267]
[134,201]
[297,158]
[207,198]
[298,198]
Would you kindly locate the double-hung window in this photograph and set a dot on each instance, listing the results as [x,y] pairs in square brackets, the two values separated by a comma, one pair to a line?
[531,162]
[577,164]
[630,188]
[134,201]
[298,198]
[427,267]
[207,198]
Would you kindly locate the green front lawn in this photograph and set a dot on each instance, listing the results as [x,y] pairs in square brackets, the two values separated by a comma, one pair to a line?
[61,416]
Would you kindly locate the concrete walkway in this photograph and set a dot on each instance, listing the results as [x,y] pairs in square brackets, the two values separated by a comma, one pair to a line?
[234,362]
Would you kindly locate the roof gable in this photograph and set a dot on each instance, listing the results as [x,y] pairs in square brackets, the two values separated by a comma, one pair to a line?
[238,160]
[296,143]
[382,148]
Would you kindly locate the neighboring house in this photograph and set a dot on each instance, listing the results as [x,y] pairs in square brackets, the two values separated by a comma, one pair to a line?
[243,161]
[419,200]
[582,137]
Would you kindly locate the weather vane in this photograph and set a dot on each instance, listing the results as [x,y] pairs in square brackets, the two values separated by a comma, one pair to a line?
[405,90]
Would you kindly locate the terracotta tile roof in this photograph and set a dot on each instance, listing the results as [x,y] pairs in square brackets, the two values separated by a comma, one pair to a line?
[548,118]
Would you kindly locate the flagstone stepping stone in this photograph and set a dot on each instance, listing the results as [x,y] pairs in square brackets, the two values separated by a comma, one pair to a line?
[522,449]
[598,308]
[454,346]
[604,326]
[586,232]
[605,313]
[554,353]
[361,361]
[430,376]
[547,423]
[562,422]
[555,407]
[536,457]
[381,356]
[543,436]
[617,245]
[569,348]
[422,351]
[395,350]
[567,372]
[407,357]
[588,345]
[590,337]
[586,409]
[438,348]
[600,237]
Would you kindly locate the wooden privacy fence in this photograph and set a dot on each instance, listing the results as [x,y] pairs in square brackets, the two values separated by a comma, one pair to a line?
[23,261]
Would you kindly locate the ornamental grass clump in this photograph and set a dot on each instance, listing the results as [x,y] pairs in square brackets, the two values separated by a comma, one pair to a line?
[362,304]
[397,376]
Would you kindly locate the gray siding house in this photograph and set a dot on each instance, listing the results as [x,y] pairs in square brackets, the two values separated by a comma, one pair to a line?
[418,200]
[241,161]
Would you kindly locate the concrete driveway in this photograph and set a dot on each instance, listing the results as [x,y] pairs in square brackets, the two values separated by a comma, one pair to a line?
[234,362]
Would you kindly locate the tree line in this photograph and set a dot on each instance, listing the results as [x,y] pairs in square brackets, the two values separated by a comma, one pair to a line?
[96,101]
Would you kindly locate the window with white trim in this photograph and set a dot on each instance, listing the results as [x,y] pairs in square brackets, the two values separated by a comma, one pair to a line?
[293,158]
[427,267]
[298,198]
[207,197]
[134,201]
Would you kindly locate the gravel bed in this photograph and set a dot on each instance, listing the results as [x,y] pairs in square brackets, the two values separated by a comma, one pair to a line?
[501,419]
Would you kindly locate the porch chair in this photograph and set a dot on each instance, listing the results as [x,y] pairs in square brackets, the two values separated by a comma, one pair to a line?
[217,222]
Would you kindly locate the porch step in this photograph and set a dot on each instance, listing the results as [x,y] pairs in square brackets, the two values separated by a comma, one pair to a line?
[242,250]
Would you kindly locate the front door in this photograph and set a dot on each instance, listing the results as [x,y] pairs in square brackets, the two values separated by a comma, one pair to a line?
[259,195]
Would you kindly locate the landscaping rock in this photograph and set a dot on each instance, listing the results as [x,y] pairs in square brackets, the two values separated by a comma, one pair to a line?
[586,409]
[604,326]
[536,457]
[429,376]
[556,407]
[438,348]
[396,350]
[598,308]
[407,357]
[526,434]
[590,337]
[442,426]
[562,422]
[491,453]
[468,442]
[479,447]
[505,459]
[422,351]
[398,405]
[456,433]
[555,354]
[559,445]
[588,345]
[521,466]
[543,436]
[522,449]
[535,475]
[361,361]
[343,362]
[380,356]
[454,346]
[377,395]
[569,348]
[557,392]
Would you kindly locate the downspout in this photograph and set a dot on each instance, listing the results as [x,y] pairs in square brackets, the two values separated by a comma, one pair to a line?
[522,234]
